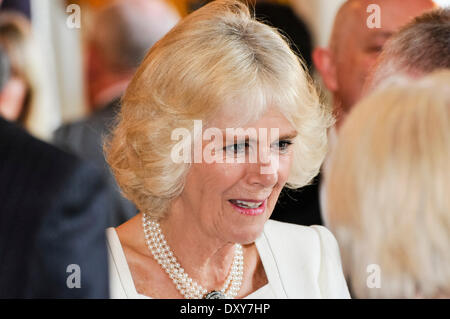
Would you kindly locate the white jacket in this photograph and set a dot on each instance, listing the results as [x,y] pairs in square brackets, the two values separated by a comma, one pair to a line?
[300,262]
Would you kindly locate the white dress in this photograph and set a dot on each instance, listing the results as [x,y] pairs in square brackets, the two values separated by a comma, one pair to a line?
[299,261]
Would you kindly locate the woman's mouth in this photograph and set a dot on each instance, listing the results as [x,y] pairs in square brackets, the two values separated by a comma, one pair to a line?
[249,207]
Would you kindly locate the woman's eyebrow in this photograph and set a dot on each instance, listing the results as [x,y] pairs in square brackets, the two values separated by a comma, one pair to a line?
[247,138]
[288,136]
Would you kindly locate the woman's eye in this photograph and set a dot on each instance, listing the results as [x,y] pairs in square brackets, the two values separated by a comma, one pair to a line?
[236,148]
[283,146]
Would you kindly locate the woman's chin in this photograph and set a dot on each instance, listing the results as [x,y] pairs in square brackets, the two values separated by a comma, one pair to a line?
[248,234]
[247,224]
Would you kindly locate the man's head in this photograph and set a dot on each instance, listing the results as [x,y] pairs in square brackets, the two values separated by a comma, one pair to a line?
[419,48]
[354,46]
[118,38]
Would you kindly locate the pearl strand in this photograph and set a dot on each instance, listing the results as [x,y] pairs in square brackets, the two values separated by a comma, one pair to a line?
[188,287]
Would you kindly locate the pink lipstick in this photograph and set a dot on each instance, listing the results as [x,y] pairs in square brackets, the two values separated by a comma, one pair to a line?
[249,207]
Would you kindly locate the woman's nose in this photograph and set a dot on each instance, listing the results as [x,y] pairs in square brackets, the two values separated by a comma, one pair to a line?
[264,172]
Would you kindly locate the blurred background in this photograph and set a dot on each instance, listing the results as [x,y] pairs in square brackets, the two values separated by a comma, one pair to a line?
[52,33]
[55,33]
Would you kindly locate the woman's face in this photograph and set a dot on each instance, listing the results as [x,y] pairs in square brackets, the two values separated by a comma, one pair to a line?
[232,201]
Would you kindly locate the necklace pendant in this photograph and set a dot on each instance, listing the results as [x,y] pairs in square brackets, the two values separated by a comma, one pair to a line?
[215,295]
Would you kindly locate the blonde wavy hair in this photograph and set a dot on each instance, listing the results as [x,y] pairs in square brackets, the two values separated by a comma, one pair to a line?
[217,59]
[388,189]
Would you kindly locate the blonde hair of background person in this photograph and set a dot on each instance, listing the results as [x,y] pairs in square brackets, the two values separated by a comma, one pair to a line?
[388,189]
[194,75]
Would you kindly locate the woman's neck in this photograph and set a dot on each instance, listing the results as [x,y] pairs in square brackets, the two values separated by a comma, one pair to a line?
[206,259]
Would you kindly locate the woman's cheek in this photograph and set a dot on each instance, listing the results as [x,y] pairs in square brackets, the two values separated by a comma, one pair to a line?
[285,164]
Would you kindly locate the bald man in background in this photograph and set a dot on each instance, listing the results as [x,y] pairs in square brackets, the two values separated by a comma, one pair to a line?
[344,66]
[354,47]
[118,38]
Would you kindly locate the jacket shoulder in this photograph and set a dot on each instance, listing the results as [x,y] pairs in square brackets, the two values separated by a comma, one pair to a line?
[307,260]
[287,232]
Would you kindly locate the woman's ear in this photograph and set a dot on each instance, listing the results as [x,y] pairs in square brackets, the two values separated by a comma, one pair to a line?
[324,63]
[12,97]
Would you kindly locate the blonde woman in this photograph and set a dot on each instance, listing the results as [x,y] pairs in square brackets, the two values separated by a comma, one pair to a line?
[388,191]
[203,229]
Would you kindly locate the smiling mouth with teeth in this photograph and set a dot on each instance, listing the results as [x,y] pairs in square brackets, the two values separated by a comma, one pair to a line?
[246,204]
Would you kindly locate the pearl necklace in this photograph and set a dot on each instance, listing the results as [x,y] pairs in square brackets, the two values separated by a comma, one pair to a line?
[187,286]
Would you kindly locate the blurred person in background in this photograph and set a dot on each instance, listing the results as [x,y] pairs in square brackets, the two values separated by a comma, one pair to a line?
[22,6]
[29,102]
[344,66]
[53,210]
[354,47]
[15,32]
[387,190]
[118,37]
[419,48]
